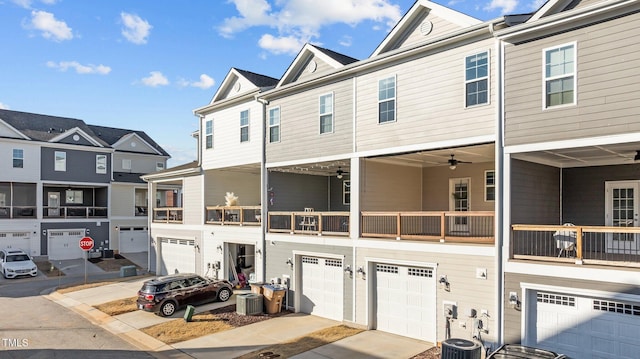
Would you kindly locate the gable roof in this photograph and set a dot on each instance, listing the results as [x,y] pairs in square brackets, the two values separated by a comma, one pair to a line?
[114,135]
[551,7]
[416,11]
[332,58]
[261,82]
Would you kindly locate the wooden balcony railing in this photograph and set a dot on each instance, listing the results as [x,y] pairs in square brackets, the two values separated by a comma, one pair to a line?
[239,215]
[319,223]
[470,227]
[15,212]
[601,245]
[167,215]
[74,212]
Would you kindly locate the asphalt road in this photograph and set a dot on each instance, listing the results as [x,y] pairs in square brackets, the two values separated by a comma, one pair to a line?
[32,327]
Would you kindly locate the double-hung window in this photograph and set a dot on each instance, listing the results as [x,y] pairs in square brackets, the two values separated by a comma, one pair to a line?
[489,186]
[208,134]
[244,126]
[60,161]
[326,113]
[560,75]
[477,79]
[159,166]
[101,164]
[274,125]
[387,100]
[346,192]
[18,158]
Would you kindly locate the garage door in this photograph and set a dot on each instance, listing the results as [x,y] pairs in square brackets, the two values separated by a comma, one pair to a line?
[65,244]
[177,256]
[15,240]
[134,240]
[585,328]
[322,287]
[406,301]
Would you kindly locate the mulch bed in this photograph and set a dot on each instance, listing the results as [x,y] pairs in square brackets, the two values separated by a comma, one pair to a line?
[229,315]
[433,353]
[49,269]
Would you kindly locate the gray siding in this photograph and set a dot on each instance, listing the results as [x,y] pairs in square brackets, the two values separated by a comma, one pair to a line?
[607,84]
[81,166]
[535,193]
[294,192]
[336,194]
[300,124]
[99,231]
[436,186]
[389,187]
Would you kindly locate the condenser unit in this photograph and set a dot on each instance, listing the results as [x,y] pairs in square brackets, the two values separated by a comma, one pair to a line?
[460,349]
[249,304]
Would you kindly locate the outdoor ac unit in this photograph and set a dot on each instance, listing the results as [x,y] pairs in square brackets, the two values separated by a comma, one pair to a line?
[249,304]
[460,349]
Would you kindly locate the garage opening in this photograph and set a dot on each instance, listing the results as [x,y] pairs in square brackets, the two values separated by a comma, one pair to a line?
[240,263]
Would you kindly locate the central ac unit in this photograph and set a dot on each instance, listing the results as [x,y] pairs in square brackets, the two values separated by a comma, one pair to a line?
[249,304]
[460,349]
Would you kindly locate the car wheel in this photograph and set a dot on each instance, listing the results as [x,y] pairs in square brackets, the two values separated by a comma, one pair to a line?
[167,309]
[224,294]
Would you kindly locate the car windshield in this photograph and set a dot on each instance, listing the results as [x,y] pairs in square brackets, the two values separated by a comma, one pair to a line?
[18,258]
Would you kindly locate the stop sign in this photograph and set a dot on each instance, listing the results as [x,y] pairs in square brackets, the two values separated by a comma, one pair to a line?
[86,243]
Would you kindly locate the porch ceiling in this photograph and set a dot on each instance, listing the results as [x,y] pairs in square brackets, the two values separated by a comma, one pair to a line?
[597,155]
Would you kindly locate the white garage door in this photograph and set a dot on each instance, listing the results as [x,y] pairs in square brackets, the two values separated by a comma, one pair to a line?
[585,328]
[177,256]
[16,240]
[65,244]
[322,287]
[134,240]
[406,301]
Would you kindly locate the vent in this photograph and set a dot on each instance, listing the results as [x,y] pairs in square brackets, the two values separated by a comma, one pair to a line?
[460,349]
[426,27]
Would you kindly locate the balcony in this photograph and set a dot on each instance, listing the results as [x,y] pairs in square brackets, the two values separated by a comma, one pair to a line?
[597,245]
[236,215]
[462,227]
[316,223]
[74,212]
[17,212]
[167,215]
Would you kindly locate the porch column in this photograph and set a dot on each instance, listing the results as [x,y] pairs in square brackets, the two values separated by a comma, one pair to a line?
[354,207]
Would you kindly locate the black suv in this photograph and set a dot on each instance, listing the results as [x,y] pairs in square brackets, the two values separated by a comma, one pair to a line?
[164,295]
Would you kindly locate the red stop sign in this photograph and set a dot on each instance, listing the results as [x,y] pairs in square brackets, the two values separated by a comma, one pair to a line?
[86,243]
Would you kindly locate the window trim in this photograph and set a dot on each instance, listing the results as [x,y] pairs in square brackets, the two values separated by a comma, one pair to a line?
[17,158]
[278,125]
[394,99]
[73,199]
[208,134]
[159,166]
[478,79]
[60,165]
[246,126]
[486,186]
[345,191]
[573,74]
[321,114]
[101,159]
[126,160]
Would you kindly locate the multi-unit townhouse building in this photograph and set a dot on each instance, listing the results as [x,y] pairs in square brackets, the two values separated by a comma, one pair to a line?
[61,180]
[423,191]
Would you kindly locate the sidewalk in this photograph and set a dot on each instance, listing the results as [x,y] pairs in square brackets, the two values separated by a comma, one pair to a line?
[231,343]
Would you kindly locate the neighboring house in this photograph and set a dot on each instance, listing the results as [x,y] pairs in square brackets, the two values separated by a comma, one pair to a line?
[572,142]
[56,184]
[200,232]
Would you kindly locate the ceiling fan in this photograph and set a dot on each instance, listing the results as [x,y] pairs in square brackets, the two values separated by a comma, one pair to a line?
[453,163]
[340,173]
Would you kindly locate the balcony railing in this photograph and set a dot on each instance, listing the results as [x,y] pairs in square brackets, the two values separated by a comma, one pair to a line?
[167,215]
[601,245]
[74,212]
[239,215]
[469,227]
[319,223]
[15,212]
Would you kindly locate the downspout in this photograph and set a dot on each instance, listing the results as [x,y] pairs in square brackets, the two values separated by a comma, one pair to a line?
[264,189]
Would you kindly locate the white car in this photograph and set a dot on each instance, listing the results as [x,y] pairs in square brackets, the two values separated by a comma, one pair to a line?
[15,262]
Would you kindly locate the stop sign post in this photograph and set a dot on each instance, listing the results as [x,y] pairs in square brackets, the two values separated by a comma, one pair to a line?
[86,244]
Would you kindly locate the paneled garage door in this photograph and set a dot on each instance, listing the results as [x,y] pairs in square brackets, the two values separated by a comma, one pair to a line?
[406,301]
[16,240]
[134,240]
[585,328]
[65,244]
[177,256]
[322,287]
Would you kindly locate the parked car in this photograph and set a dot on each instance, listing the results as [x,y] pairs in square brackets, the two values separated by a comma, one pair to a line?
[164,295]
[15,263]
[517,351]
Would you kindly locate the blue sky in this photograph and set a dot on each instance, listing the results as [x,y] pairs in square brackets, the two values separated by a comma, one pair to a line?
[146,64]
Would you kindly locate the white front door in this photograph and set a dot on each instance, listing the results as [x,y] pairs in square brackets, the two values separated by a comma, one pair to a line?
[459,201]
[322,287]
[53,204]
[405,301]
[622,211]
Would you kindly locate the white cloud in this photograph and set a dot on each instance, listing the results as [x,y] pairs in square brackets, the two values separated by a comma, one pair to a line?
[136,30]
[81,69]
[299,21]
[346,41]
[51,27]
[505,6]
[205,82]
[155,79]
[23,3]
[4,106]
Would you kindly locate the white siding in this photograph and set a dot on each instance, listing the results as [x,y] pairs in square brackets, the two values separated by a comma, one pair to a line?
[193,207]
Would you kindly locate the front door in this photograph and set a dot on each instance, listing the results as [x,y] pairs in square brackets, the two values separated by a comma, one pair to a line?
[53,204]
[622,211]
[459,201]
